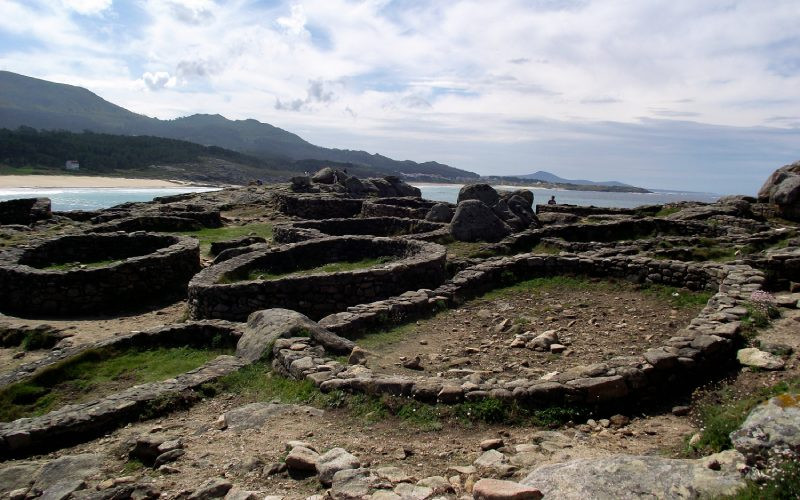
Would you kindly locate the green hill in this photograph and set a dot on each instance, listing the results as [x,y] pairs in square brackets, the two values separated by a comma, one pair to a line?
[31,102]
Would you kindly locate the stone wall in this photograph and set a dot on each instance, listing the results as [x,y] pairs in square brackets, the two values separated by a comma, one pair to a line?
[705,346]
[412,208]
[583,211]
[24,210]
[310,206]
[371,226]
[316,295]
[71,424]
[152,267]
[628,229]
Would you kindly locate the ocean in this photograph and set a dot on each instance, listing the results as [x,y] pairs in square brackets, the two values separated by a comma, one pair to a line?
[449,192]
[66,199]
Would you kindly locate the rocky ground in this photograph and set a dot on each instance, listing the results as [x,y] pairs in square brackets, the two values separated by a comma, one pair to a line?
[247,449]
[242,446]
[575,322]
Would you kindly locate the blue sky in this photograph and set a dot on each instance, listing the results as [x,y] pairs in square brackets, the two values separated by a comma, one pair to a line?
[680,94]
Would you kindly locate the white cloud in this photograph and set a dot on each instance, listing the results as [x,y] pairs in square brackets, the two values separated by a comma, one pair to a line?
[424,71]
[158,80]
[87,7]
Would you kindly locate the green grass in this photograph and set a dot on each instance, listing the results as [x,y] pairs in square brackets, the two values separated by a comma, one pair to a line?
[666,211]
[71,266]
[723,411]
[386,337]
[466,249]
[207,236]
[546,249]
[679,298]
[256,382]
[545,284]
[331,267]
[94,374]
[783,484]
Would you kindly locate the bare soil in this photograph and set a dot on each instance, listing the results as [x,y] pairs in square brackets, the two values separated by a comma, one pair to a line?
[596,321]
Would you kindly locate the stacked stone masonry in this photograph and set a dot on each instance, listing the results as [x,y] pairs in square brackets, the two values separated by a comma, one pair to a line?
[371,226]
[77,422]
[703,346]
[310,206]
[417,264]
[151,267]
[407,207]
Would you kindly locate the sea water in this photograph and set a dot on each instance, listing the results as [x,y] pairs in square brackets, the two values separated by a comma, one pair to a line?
[449,193]
[65,199]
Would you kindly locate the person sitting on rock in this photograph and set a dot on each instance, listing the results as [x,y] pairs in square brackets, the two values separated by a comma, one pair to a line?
[552,200]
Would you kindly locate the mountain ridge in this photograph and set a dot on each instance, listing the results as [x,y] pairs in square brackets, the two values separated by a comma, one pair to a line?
[41,104]
[550,177]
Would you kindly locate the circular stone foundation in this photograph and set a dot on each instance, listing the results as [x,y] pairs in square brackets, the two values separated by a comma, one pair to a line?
[414,208]
[369,226]
[96,273]
[228,290]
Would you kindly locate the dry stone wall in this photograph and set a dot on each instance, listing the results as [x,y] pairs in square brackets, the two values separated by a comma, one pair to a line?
[372,226]
[704,346]
[151,267]
[408,207]
[316,295]
[74,423]
[316,206]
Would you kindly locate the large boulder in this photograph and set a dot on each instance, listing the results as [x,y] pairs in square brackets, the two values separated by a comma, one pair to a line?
[264,327]
[634,477]
[402,188]
[481,192]
[323,176]
[392,186]
[770,427]
[475,221]
[782,189]
[441,212]
[24,210]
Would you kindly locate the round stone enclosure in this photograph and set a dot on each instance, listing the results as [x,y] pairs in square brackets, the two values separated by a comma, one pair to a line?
[370,226]
[216,292]
[415,208]
[96,273]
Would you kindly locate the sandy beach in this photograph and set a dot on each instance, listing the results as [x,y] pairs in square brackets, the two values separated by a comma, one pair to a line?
[81,181]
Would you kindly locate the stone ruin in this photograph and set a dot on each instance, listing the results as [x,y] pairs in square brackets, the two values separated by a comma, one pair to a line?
[147,267]
[304,323]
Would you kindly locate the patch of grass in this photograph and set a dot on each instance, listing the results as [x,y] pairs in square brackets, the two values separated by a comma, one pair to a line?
[256,382]
[132,465]
[37,339]
[96,373]
[386,337]
[546,249]
[547,283]
[422,416]
[466,249]
[783,483]
[71,266]
[331,267]
[207,236]
[679,298]
[665,211]
[723,411]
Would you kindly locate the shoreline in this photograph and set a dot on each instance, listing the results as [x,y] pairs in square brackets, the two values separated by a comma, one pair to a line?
[86,181]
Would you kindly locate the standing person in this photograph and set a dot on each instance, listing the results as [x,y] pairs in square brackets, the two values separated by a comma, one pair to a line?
[552,200]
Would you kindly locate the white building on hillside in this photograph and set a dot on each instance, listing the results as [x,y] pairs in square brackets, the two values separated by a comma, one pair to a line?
[72,165]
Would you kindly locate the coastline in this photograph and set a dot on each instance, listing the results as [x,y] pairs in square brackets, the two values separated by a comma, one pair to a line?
[84,181]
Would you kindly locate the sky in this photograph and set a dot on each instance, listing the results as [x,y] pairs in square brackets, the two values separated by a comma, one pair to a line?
[673,94]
